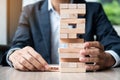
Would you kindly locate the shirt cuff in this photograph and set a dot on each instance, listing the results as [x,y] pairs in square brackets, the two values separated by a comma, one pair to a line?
[115,56]
[9,53]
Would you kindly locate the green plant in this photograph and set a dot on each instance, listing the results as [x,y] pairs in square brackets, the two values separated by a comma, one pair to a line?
[113,12]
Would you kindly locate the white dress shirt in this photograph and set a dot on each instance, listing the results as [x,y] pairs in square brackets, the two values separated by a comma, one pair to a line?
[55,36]
[55,27]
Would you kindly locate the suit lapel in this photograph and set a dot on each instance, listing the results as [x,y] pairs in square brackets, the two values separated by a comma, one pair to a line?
[45,27]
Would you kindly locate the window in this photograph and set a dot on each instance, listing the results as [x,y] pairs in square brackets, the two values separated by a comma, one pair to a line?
[3,22]
[26,2]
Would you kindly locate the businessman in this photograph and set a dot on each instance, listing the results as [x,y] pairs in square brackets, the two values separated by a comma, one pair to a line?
[36,42]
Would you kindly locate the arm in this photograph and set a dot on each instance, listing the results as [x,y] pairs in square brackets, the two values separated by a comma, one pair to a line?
[107,37]
[25,57]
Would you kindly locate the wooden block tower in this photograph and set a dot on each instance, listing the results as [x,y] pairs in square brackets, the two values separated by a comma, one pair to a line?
[72,24]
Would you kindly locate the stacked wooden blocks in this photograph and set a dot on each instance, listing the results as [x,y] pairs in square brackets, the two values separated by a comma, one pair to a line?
[72,23]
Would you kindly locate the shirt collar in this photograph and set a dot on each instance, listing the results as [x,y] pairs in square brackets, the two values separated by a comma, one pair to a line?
[50,7]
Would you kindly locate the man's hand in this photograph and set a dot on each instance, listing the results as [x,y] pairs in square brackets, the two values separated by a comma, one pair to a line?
[97,55]
[27,59]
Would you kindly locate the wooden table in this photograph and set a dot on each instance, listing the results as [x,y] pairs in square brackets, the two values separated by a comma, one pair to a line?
[7,73]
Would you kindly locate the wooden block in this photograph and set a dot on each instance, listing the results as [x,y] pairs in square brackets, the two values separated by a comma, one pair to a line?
[63,6]
[63,45]
[72,65]
[72,21]
[53,68]
[80,65]
[64,16]
[72,31]
[72,6]
[81,6]
[73,11]
[73,16]
[80,26]
[71,40]
[63,36]
[68,65]
[73,70]
[63,26]
[69,55]
[68,16]
[69,60]
[69,50]
[73,36]
[76,45]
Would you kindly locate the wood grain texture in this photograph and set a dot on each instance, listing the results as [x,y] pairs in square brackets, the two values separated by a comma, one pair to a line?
[63,36]
[72,6]
[72,31]
[69,55]
[71,40]
[73,21]
[69,50]
[69,60]
[73,11]
[72,70]
[72,36]
[63,6]
[76,45]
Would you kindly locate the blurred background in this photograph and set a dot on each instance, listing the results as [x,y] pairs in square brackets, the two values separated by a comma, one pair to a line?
[10,11]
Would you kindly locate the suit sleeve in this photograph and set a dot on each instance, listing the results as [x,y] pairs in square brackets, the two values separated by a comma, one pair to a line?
[22,36]
[105,32]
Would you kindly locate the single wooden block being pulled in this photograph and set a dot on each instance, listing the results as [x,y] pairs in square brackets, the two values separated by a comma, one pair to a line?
[53,68]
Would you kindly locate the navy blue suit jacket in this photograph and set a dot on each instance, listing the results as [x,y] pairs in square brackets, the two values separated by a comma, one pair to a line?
[34,29]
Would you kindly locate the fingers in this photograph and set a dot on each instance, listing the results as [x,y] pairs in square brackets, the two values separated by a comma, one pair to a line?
[19,66]
[88,59]
[37,57]
[33,61]
[91,67]
[92,54]
[28,59]
[93,44]
[90,51]
[21,61]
